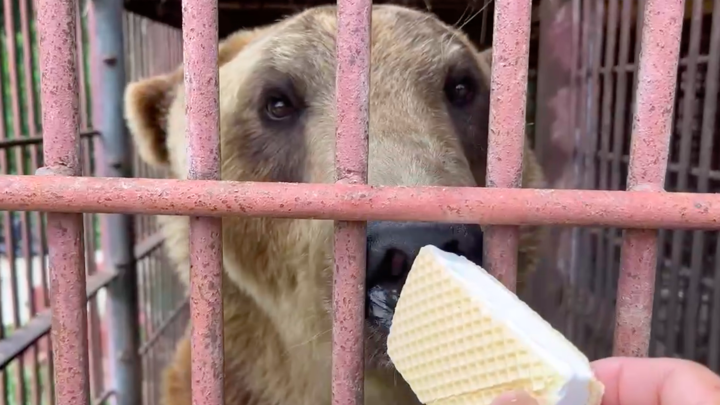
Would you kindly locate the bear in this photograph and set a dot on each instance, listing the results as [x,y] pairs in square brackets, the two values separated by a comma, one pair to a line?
[428,126]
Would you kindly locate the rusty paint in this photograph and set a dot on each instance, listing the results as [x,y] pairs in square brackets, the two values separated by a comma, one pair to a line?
[652,126]
[351,161]
[200,50]
[492,206]
[508,93]
[60,119]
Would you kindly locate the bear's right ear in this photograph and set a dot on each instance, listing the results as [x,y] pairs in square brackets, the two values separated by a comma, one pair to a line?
[146,108]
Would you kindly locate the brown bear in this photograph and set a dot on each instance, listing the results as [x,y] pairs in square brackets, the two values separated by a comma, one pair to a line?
[429,105]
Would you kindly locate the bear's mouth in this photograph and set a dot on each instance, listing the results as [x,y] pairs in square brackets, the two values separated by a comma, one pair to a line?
[379,311]
[392,247]
[380,305]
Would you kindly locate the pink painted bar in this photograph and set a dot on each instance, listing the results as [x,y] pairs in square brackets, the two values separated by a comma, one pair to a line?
[60,119]
[649,148]
[351,161]
[511,47]
[200,50]
[490,206]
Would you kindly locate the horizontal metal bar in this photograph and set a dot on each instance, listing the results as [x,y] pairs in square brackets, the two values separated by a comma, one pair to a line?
[493,206]
[24,337]
[104,397]
[148,245]
[163,327]
[38,140]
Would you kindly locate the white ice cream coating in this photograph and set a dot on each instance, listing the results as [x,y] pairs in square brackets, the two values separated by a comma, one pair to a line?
[527,325]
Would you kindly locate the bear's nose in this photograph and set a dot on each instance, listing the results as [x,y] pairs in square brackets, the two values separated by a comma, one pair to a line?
[392,248]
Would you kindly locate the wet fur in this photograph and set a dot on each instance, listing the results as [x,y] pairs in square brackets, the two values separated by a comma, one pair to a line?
[277,288]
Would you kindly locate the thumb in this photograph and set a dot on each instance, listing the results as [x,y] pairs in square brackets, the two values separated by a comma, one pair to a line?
[515,398]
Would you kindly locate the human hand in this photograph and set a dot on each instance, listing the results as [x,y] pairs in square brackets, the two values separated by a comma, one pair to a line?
[645,381]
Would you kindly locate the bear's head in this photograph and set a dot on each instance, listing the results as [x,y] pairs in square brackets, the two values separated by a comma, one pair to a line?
[429,101]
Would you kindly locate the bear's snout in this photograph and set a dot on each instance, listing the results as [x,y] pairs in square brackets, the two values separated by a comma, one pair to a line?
[391,250]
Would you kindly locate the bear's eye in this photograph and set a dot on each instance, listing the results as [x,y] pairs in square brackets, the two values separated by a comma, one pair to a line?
[279,108]
[461,91]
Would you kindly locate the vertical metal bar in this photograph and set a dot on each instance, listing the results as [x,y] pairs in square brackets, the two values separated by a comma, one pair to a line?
[595,260]
[81,67]
[154,63]
[38,228]
[9,240]
[100,349]
[639,29]
[152,320]
[96,91]
[29,68]
[571,319]
[694,291]
[12,61]
[96,359]
[59,88]
[580,251]
[714,354]
[351,162]
[678,236]
[95,82]
[122,292]
[607,117]
[652,125]
[45,226]
[619,127]
[607,236]
[596,13]
[508,93]
[588,139]
[142,295]
[200,48]
[144,56]
[707,147]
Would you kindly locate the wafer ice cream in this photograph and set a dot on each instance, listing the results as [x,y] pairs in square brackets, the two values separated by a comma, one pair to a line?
[459,337]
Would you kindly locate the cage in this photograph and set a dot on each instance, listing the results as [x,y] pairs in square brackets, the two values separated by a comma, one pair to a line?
[589,117]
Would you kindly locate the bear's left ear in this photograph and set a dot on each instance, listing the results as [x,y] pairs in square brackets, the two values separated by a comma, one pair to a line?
[146,105]
[147,101]
[485,62]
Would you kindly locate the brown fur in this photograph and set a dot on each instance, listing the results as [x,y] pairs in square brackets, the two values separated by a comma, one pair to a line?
[278,271]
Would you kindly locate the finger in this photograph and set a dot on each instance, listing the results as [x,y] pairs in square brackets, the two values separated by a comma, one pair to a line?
[514,398]
[663,381]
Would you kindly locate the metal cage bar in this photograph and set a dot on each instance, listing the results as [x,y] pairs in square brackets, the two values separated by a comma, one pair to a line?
[200,55]
[506,138]
[649,148]
[116,162]
[60,121]
[709,110]
[490,206]
[351,161]
[349,201]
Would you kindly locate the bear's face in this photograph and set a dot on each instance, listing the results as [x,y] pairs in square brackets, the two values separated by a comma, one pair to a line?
[429,103]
